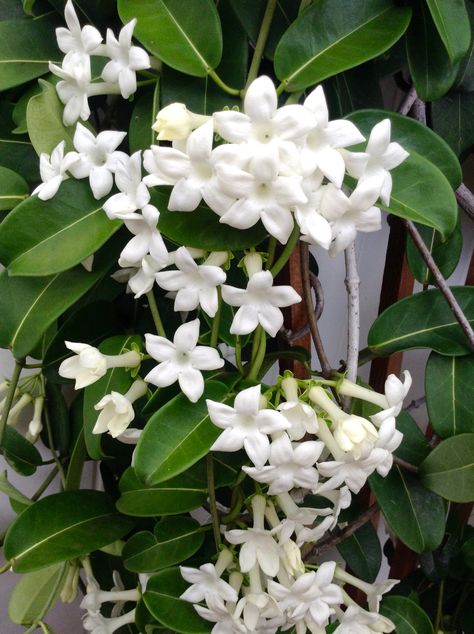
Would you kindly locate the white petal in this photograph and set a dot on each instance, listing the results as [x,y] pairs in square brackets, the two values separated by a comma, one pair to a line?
[192,384]
[245,320]
[186,336]
[261,100]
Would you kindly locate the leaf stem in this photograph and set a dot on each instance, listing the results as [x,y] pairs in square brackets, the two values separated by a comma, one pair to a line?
[441,282]
[353,317]
[287,251]
[155,313]
[238,354]
[10,396]
[259,357]
[272,242]
[216,321]
[42,488]
[49,432]
[261,41]
[235,92]
[212,500]
[439,607]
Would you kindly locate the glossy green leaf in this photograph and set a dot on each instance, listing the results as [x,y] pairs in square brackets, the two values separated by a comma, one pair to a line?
[234,63]
[20,453]
[16,151]
[63,526]
[201,228]
[162,599]
[449,469]
[465,78]
[30,304]
[173,540]
[449,394]
[44,117]
[414,514]
[177,435]
[452,22]
[186,36]
[362,552]
[76,463]
[177,495]
[35,593]
[26,47]
[140,134]
[430,67]
[452,119]
[58,415]
[13,188]
[427,198]
[47,237]
[116,379]
[12,492]
[423,320]
[9,11]
[356,88]
[446,254]
[415,446]
[408,616]
[332,36]
[414,137]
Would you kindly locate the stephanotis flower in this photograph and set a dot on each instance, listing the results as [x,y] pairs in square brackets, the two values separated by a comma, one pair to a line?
[53,170]
[175,122]
[75,74]
[182,360]
[301,415]
[206,581]
[356,620]
[133,194]
[80,40]
[147,240]
[116,411]
[97,624]
[196,285]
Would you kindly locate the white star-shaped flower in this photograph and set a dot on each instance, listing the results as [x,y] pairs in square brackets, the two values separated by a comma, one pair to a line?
[182,360]
[116,411]
[259,547]
[75,74]
[133,191]
[80,40]
[53,170]
[206,582]
[355,620]
[147,239]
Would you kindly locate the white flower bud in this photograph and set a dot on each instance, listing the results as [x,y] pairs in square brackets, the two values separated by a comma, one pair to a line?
[175,122]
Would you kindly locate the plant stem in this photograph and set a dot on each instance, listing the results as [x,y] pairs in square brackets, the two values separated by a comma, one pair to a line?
[408,101]
[407,466]
[155,313]
[285,254]
[439,607]
[353,317]
[216,321]
[9,397]
[261,41]
[465,199]
[441,282]
[259,357]
[42,488]
[238,354]
[230,91]
[212,500]
[49,432]
[272,242]
[313,324]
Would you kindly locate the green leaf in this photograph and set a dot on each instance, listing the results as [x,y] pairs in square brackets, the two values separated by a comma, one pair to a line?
[468,552]
[362,552]
[47,237]
[30,304]
[12,492]
[356,88]
[76,463]
[234,63]
[177,495]
[423,194]
[201,228]
[140,134]
[449,469]
[423,320]
[63,526]
[415,447]
[449,394]
[430,67]
[173,540]
[452,22]
[407,615]
[414,137]
[446,254]
[26,47]
[116,379]
[13,188]
[59,419]
[162,599]
[452,119]
[465,78]
[35,593]
[177,435]
[186,36]
[44,117]
[16,151]
[415,515]
[20,453]
[332,36]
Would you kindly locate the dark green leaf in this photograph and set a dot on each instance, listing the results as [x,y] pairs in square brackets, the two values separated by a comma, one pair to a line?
[63,526]
[414,137]
[452,22]
[26,47]
[186,36]
[44,117]
[446,254]
[415,514]
[177,436]
[13,188]
[140,134]
[432,72]
[201,228]
[35,593]
[452,119]
[415,447]
[362,552]
[16,151]
[47,237]
[354,89]
[449,394]
[58,418]
[174,540]
[407,615]
[162,599]
[468,552]
[20,453]
[423,320]
[234,63]
[332,36]
[449,469]
[76,463]
[465,78]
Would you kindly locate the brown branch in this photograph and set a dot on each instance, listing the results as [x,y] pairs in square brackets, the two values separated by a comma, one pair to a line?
[408,101]
[415,404]
[465,199]
[407,466]
[441,282]
[312,321]
[293,335]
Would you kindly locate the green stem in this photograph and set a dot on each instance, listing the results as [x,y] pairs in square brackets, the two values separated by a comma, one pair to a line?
[235,92]
[155,313]
[146,82]
[53,473]
[261,41]
[255,345]
[272,242]
[216,321]
[439,607]
[304,5]
[259,357]
[285,254]
[9,397]
[212,500]
[281,88]
[238,354]
[49,432]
